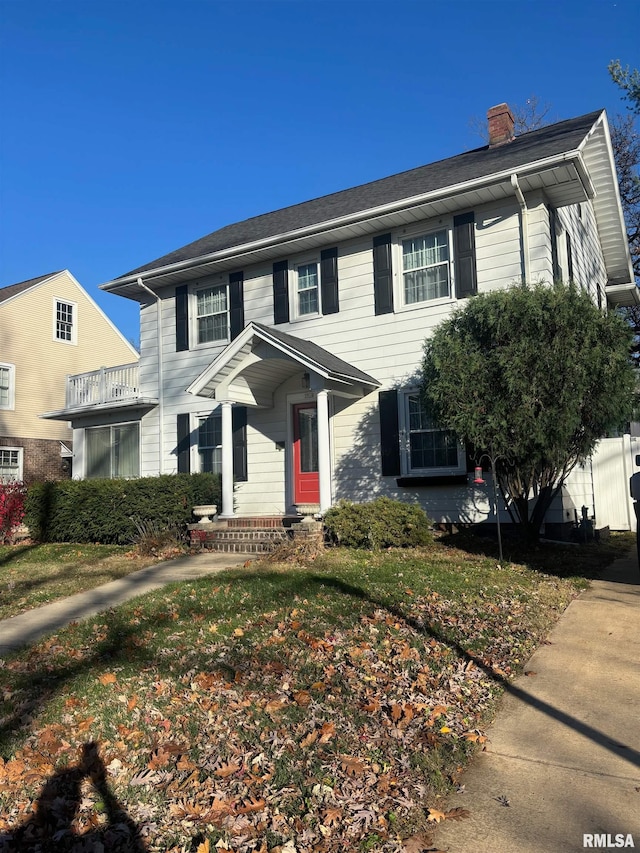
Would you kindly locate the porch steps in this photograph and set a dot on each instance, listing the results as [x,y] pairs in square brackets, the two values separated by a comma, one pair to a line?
[258,535]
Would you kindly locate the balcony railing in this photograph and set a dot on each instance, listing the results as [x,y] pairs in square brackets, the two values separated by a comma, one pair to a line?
[107,385]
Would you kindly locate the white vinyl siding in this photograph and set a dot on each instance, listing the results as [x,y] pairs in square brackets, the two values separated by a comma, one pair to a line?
[113,451]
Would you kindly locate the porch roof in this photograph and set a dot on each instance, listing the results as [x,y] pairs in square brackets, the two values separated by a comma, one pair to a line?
[249,369]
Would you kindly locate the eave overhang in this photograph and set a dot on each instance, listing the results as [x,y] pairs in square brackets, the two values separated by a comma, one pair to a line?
[563,178]
[143,404]
[260,359]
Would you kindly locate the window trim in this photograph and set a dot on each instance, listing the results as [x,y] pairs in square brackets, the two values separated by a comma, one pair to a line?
[295,314]
[11,405]
[57,300]
[422,229]
[405,448]
[194,289]
[110,427]
[20,452]
[196,418]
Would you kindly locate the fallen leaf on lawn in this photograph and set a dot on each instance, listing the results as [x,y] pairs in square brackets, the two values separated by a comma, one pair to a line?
[417,843]
[274,706]
[238,632]
[204,847]
[530,672]
[302,697]
[131,704]
[227,769]
[351,765]
[312,737]
[327,731]
[107,678]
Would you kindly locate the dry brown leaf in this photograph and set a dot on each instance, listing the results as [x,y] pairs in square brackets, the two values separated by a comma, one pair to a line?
[327,731]
[417,843]
[227,769]
[351,765]
[302,697]
[275,706]
[435,815]
[132,703]
[107,678]
[312,737]
[204,847]
[457,814]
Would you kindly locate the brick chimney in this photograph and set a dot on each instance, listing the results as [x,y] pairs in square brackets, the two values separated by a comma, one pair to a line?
[501,125]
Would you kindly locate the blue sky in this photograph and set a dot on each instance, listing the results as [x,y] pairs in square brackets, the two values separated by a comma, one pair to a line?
[132,128]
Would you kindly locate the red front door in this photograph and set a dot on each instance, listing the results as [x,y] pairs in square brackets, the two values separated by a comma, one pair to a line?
[306,486]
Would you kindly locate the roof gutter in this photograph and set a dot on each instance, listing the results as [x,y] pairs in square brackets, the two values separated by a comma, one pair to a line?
[155,296]
[318,228]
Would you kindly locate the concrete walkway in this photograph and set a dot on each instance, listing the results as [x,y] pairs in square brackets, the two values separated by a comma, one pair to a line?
[34,624]
[563,757]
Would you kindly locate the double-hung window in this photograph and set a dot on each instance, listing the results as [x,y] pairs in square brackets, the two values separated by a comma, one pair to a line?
[112,451]
[212,314]
[428,449]
[64,321]
[210,444]
[10,464]
[307,289]
[7,386]
[425,267]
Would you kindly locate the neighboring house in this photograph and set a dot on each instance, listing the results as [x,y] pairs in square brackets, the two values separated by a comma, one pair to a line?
[49,328]
[283,350]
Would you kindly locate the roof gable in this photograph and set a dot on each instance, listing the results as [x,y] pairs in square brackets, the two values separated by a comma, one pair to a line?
[14,289]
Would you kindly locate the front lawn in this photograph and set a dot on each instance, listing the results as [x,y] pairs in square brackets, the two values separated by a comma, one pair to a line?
[318,707]
[33,575]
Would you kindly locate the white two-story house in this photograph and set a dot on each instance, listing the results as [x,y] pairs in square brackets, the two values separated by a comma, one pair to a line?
[282,350]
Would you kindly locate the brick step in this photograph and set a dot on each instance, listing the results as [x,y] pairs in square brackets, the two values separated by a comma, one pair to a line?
[240,540]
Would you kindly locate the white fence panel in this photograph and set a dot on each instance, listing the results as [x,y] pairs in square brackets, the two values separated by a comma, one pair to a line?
[613,465]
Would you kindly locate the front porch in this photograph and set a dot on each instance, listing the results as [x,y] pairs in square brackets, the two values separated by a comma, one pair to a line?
[253,534]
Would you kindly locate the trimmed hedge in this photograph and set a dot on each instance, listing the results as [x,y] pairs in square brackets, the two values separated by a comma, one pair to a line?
[106,511]
[382,523]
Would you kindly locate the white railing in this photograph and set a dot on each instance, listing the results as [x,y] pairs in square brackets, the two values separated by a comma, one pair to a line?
[107,385]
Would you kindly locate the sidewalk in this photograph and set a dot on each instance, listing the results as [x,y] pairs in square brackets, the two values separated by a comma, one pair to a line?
[564,751]
[30,626]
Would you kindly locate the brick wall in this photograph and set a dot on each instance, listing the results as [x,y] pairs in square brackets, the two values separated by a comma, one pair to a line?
[41,458]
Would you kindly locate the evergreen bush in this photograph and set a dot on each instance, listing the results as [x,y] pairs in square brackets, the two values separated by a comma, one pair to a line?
[382,523]
[109,511]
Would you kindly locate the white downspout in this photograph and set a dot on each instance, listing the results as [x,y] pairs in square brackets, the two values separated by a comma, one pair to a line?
[160,373]
[525,226]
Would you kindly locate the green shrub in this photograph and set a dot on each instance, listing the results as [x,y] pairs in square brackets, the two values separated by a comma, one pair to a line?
[108,511]
[382,523]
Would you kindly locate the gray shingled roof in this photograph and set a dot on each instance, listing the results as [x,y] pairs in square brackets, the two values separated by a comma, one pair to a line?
[13,289]
[482,162]
[322,357]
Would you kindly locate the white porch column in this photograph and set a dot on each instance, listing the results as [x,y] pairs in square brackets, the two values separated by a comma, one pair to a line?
[324,457]
[227,460]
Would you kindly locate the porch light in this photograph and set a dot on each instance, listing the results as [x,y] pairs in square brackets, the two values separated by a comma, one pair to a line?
[306,381]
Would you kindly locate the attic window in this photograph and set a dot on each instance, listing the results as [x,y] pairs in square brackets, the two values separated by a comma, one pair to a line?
[64,320]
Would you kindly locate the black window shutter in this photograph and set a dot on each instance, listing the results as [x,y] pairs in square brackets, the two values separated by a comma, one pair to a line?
[184,444]
[236,303]
[281,292]
[464,251]
[569,258]
[382,274]
[389,432]
[239,425]
[182,318]
[329,281]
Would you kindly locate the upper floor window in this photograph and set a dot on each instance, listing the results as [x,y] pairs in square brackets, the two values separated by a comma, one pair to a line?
[65,321]
[428,448]
[307,292]
[10,464]
[425,267]
[212,314]
[7,386]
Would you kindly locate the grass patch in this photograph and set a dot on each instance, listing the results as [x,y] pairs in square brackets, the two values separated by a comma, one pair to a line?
[328,704]
[33,575]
